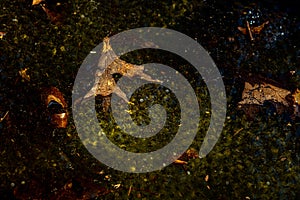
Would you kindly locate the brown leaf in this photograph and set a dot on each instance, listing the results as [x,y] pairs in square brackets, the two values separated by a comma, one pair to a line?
[52,98]
[261,92]
[258,29]
[36,2]
[24,75]
[108,64]
[252,30]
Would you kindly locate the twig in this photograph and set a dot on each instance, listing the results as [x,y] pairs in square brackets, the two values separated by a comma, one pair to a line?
[238,131]
[2,118]
[249,29]
[129,191]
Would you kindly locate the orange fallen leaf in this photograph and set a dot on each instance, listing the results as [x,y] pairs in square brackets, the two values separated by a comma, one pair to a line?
[24,75]
[36,2]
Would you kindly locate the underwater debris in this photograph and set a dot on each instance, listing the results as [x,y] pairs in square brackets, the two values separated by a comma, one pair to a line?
[24,75]
[186,156]
[4,116]
[53,9]
[259,92]
[108,65]
[252,30]
[56,107]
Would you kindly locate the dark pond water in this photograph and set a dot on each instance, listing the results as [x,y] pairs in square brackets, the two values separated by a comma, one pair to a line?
[253,159]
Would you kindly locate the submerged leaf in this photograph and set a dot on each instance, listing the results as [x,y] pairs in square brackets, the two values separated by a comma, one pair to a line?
[109,63]
[24,75]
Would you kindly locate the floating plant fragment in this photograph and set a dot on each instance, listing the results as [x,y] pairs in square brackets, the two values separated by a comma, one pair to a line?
[24,75]
[109,63]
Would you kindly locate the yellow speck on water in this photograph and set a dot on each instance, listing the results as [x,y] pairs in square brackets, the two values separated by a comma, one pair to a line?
[132,169]
[94,143]
[54,51]
[129,111]
[62,48]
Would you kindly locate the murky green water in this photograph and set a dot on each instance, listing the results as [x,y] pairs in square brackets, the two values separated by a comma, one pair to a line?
[253,159]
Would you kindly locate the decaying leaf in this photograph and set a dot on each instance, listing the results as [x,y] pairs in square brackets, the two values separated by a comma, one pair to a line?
[53,12]
[36,2]
[258,91]
[56,107]
[252,30]
[258,29]
[186,156]
[261,92]
[24,75]
[109,63]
